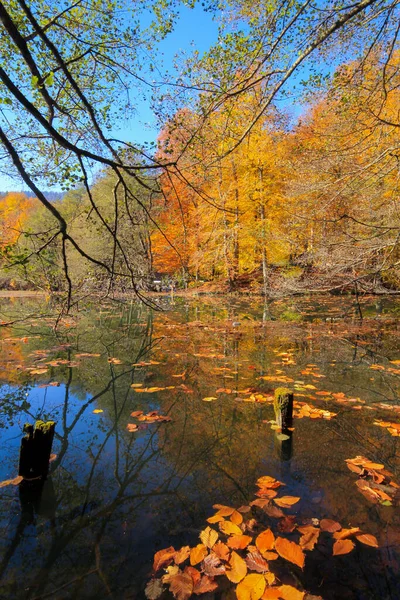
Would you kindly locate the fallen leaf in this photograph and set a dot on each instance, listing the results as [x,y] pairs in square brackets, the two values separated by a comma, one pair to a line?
[209,537]
[163,558]
[132,427]
[271,593]
[265,541]
[286,501]
[230,528]
[255,562]
[251,587]
[15,481]
[342,547]
[136,413]
[329,525]
[197,554]
[181,555]
[287,524]
[236,517]
[209,399]
[288,592]
[239,542]
[221,550]
[153,589]
[98,411]
[238,568]
[212,566]
[181,586]
[206,584]
[345,533]
[290,551]
[309,538]
[368,539]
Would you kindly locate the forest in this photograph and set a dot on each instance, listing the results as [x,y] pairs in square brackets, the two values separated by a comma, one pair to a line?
[241,190]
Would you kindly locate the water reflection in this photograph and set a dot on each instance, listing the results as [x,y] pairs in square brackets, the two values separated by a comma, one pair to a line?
[114,497]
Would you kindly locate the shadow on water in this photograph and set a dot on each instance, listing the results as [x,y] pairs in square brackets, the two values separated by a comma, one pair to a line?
[113,497]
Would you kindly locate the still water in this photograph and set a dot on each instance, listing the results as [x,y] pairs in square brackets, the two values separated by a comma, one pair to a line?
[114,497]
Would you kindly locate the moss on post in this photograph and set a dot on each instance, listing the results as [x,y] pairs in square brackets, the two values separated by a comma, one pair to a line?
[283,406]
[36,449]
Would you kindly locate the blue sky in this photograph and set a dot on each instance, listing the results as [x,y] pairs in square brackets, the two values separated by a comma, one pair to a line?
[195,30]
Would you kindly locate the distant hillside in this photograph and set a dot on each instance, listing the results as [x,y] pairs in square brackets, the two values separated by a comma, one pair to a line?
[51,196]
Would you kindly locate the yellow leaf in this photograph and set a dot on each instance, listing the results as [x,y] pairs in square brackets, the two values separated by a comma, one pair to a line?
[209,537]
[230,528]
[251,587]
[238,568]
[97,411]
[197,554]
[209,399]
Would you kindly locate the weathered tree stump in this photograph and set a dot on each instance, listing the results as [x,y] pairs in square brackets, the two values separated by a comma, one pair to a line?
[283,406]
[36,449]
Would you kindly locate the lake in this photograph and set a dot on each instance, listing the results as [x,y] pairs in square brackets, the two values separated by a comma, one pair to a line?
[115,496]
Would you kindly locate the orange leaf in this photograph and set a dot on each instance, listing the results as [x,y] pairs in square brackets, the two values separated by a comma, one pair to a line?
[181,555]
[238,568]
[239,542]
[224,511]
[221,550]
[206,584]
[197,554]
[368,539]
[181,586]
[163,558]
[288,592]
[265,541]
[329,525]
[216,519]
[345,533]
[309,538]
[290,551]
[286,501]
[271,593]
[15,481]
[342,547]
[236,517]
[131,427]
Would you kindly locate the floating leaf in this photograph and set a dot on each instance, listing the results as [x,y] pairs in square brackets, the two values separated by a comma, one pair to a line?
[209,537]
[206,584]
[342,547]
[181,555]
[368,539]
[216,519]
[212,566]
[286,501]
[287,524]
[236,517]
[255,562]
[15,481]
[181,586]
[290,551]
[153,589]
[221,550]
[132,427]
[197,554]
[251,587]
[288,592]
[265,541]
[329,525]
[98,411]
[271,593]
[230,528]
[345,533]
[163,558]
[309,538]
[238,568]
[209,399]
[136,413]
[239,542]
[224,511]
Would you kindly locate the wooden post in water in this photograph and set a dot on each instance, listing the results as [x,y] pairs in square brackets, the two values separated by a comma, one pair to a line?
[283,406]
[36,449]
